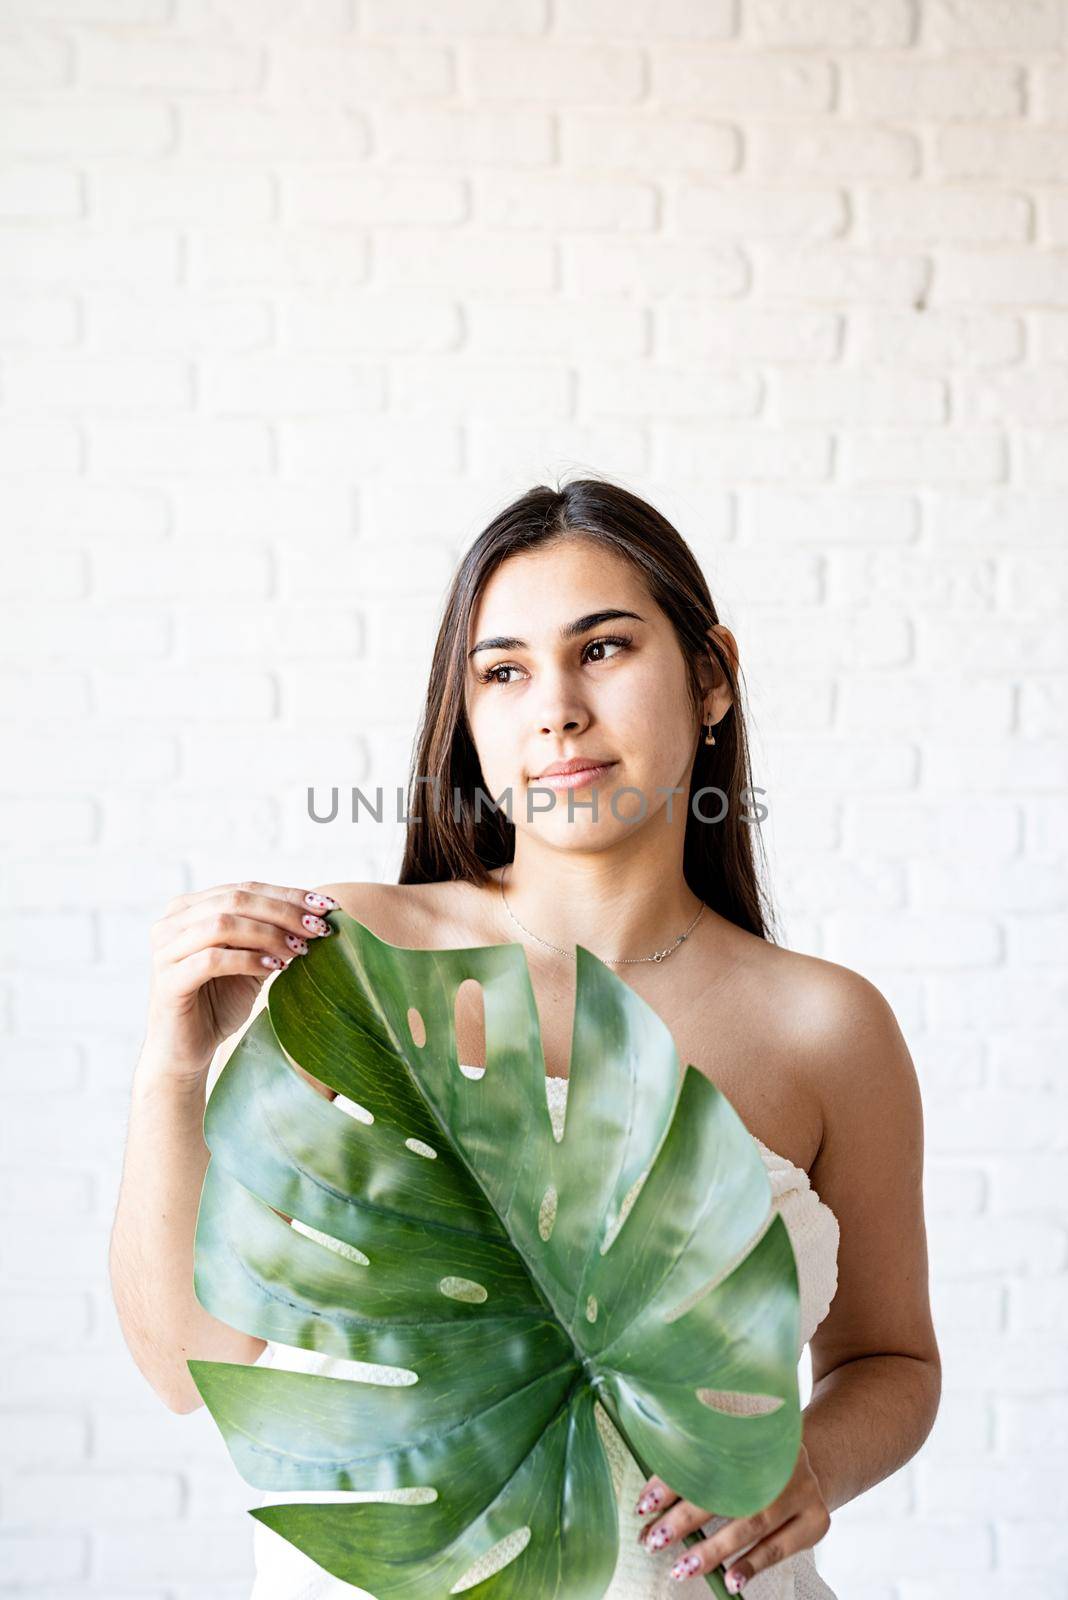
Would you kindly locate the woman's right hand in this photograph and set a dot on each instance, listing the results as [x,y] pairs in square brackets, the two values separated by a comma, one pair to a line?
[212,951]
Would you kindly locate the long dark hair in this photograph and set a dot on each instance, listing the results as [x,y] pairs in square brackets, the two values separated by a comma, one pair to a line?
[448,841]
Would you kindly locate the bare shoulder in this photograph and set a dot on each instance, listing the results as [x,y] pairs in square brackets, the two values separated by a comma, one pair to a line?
[406,914]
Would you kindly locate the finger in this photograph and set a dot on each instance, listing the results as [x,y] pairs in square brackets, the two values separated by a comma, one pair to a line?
[307,899]
[785,1541]
[225,930]
[218,916]
[682,1519]
[654,1497]
[741,1532]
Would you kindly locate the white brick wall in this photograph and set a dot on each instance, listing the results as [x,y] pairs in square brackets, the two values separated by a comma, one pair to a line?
[295,293]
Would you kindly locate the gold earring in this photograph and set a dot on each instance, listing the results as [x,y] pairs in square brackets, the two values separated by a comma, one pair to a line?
[710,737]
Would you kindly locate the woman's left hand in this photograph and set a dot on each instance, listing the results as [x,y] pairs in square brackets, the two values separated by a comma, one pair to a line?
[797,1520]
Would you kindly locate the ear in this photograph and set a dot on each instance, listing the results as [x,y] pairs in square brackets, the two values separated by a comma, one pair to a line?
[714,683]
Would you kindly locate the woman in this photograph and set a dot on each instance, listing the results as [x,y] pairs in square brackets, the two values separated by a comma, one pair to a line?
[579,628]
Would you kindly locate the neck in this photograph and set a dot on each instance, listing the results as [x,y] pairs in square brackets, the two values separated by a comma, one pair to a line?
[629,900]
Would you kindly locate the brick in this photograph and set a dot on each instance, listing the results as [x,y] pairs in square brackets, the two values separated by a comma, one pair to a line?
[1024,765]
[530,325]
[1035,398]
[140,63]
[941,582]
[56,128]
[739,207]
[553,71]
[927,338]
[200,446]
[1014,1487]
[650,268]
[271,385]
[1044,708]
[928,457]
[1027,1424]
[362,70]
[39,760]
[648,142]
[98,1498]
[1040,1304]
[990,25]
[464,136]
[757,454]
[278,258]
[66,819]
[986,1001]
[182,323]
[248,512]
[201,195]
[67,1193]
[242,697]
[1002,886]
[1020,644]
[187,569]
[996,1248]
[67,511]
[827,519]
[837,274]
[532,200]
[741,85]
[830,24]
[46,1556]
[67,256]
[639,390]
[326,196]
[960,1305]
[923,706]
[453,17]
[29,321]
[942,828]
[62,383]
[911,940]
[933,90]
[1002,519]
[30,59]
[349,452]
[44,694]
[116,13]
[47,574]
[944,215]
[38,447]
[862,398]
[811,148]
[240,130]
[693,19]
[1004,277]
[39,192]
[44,1435]
[368,321]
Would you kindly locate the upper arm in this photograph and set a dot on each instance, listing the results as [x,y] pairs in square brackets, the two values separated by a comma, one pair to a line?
[869,1170]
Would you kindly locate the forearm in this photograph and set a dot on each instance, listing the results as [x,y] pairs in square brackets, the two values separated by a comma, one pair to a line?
[866,1419]
[151,1250]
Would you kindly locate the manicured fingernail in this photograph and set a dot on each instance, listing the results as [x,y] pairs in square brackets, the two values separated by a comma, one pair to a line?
[735,1582]
[688,1564]
[322,902]
[315,924]
[662,1536]
[299,945]
[270,961]
[648,1502]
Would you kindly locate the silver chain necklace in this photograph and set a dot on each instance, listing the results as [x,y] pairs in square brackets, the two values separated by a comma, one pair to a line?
[611,961]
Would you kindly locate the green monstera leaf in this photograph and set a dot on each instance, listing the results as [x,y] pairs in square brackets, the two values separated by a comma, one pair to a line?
[516,1279]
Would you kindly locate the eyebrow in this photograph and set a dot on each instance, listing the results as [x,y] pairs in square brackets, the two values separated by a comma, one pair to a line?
[568,630]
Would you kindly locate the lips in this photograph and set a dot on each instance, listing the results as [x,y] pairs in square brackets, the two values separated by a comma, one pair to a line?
[575,764]
[575,774]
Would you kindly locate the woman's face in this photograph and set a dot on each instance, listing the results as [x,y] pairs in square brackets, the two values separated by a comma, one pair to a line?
[615,690]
